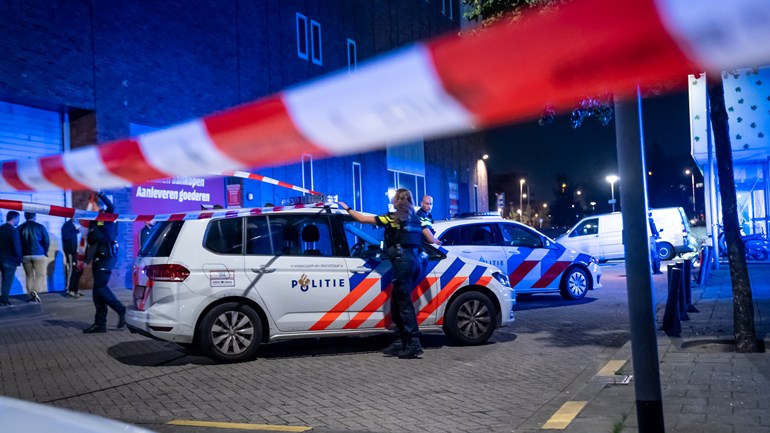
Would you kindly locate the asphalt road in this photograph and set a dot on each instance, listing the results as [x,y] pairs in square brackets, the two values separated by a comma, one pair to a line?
[332,385]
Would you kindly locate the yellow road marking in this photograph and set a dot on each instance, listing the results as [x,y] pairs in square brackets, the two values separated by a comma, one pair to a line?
[240,426]
[561,419]
[611,368]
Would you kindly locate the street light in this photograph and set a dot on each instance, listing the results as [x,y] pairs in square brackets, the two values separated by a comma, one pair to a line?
[692,176]
[521,196]
[612,179]
[593,206]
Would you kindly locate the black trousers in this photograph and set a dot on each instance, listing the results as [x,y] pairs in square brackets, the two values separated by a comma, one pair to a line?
[406,270]
[102,295]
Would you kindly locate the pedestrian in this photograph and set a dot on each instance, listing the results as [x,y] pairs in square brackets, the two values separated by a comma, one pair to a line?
[403,236]
[10,254]
[145,233]
[654,235]
[102,252]
[426,205]
[70,237]
[34,247]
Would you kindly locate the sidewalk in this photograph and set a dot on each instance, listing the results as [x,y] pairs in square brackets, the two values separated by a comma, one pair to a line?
[706,386]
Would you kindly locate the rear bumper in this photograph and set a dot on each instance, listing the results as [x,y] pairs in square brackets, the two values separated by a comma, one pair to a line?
[156,326]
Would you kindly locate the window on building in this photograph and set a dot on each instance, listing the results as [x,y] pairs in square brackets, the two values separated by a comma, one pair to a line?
[352,56]
[302,49]
[315,38]
[413,182]
[307,171]
[446,9]
[358,202]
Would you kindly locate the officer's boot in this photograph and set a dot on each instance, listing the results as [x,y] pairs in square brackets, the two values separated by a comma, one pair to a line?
[395,347]
[413,349]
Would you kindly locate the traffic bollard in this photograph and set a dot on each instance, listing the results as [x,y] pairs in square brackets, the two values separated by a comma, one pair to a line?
[682,296]
[671,324]
[688,286]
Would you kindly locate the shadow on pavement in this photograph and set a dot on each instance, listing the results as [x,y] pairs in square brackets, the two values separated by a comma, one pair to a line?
[149,353]
[536,302]
[74,324]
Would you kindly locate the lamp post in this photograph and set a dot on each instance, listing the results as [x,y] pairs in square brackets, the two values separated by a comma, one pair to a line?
[521,196]
[612,179]
[692,177]
[593,207]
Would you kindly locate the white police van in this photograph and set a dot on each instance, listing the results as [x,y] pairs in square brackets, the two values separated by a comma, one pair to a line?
[230,284]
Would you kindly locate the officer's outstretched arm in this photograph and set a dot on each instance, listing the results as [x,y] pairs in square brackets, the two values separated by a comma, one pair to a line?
[366,219]
[429,236]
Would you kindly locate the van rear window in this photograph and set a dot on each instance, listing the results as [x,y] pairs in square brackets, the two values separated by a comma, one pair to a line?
[162,239]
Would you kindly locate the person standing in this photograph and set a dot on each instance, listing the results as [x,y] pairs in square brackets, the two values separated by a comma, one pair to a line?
[102,251]
[426,205]
[73,267]
[654,236]
[145,233]
[404,231]
[34,247]
[10,254]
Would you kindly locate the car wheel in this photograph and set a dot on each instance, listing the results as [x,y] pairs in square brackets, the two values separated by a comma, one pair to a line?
[574,284]
[666,251]
[230,332]
[469,320]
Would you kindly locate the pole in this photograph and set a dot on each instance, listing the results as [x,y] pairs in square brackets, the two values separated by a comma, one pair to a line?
[694,212]
[644,342]
[612,191]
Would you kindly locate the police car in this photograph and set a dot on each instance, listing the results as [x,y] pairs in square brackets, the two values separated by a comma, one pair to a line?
[229,284]
[533,262]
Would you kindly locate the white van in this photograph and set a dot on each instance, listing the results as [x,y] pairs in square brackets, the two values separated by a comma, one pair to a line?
[602,235]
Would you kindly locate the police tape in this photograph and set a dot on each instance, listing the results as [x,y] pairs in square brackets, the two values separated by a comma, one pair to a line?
[449,85]
[270,180]
[80,214]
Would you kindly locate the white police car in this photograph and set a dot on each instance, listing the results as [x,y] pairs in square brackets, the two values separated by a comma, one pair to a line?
[230,284]
[533,262]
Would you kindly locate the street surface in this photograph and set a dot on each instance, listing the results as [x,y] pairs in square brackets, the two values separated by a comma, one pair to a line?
[518,380]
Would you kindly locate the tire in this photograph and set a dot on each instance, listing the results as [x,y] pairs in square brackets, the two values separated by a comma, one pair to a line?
[574,284]
[666,251]
[470,319]
[230,332]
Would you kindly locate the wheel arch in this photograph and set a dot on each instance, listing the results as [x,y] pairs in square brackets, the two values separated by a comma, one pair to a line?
[484,291]
[582,267]
[239,299]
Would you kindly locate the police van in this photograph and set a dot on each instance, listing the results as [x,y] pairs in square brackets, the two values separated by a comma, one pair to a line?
[228,285]
[601,235]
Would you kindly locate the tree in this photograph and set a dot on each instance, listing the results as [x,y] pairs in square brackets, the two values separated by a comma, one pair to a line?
[743,305]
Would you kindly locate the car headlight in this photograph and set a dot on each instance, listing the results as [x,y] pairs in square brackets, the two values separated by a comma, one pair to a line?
[502,278]
[594,260]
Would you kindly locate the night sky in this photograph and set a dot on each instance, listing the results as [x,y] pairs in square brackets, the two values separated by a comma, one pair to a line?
[586,155]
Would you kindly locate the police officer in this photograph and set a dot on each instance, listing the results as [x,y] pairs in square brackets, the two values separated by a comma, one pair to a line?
[426,205]
[403,236]
[102,252]
[654,236]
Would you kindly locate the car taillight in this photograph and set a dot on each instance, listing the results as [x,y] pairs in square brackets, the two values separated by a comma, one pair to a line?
[166,272]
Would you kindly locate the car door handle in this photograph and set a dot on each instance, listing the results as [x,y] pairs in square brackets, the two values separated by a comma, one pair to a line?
[263,270]
[513,252]
[466,251]
[360,270]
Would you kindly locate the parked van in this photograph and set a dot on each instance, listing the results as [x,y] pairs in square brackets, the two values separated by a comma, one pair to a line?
[602,235]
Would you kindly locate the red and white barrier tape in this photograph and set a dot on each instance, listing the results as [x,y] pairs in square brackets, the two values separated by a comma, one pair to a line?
[79,214]
[270,180]
[446,86]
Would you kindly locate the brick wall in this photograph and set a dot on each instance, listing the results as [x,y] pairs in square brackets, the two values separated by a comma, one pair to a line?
[111,63]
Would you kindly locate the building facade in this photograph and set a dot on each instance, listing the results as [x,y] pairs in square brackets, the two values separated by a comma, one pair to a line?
[88,71]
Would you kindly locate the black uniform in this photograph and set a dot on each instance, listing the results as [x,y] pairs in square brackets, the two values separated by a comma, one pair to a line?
[426,218]
[655,258]
[102,252]
[69,240]
[402,242]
